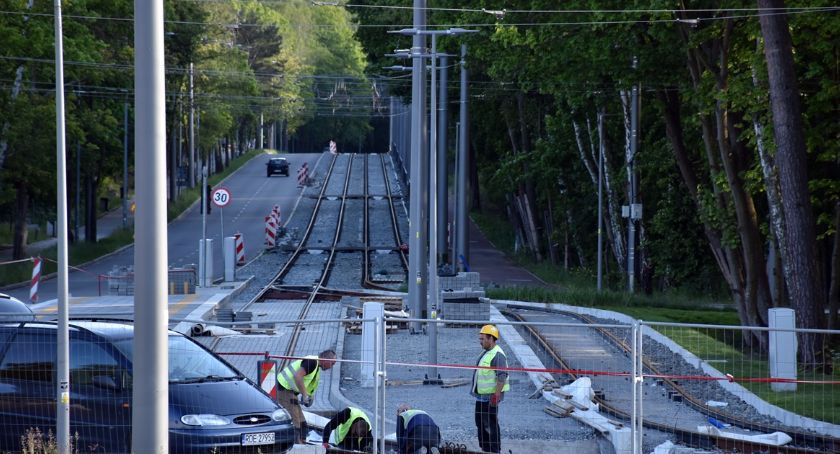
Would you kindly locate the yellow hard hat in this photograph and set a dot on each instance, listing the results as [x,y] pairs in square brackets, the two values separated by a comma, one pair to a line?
[491,330]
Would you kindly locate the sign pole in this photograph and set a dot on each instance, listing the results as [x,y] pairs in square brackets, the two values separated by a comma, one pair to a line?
[221,198]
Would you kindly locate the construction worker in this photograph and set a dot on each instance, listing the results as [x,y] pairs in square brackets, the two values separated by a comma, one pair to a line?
[416,431]
[302,377]
[352,430]
[488,387]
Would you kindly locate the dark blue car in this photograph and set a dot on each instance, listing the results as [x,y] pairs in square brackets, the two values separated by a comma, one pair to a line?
[212,408]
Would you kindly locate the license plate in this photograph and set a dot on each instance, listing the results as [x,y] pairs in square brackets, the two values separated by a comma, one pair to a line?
[258,439]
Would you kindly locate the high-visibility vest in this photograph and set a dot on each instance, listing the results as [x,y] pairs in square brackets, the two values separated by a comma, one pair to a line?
[286,377]
[344,428]
[408,414]
[485,379]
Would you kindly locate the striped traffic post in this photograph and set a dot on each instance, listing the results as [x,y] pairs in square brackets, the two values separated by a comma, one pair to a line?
[36,277]
[267,373]
[301,175]
[239,247]
[270,231]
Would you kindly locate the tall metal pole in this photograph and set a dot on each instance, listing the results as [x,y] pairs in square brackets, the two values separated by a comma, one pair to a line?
[78,189]
[418,184]
[62,429]
[461,227]
[442,167]
[262,132]
[631,178]
[434,292]
[390,123]
[192,129]
[125,167]
[453,240]
[600,199]
[150,415]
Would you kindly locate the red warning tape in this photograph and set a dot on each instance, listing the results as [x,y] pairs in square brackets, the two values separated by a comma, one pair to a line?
[727,377]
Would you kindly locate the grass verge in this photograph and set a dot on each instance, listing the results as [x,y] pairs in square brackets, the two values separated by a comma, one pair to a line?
[722,347]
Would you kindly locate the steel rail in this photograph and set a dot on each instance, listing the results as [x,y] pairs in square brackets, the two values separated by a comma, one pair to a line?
[368,281]
[300,247]
[395,220]
[325,274]
[813,443]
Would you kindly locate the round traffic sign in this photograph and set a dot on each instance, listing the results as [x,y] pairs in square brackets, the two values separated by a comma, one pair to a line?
[221,197]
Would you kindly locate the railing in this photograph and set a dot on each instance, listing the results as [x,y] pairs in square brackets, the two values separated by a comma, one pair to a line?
[571,379]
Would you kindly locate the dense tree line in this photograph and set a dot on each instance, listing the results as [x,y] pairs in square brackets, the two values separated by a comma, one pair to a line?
[275,67]
[737,164]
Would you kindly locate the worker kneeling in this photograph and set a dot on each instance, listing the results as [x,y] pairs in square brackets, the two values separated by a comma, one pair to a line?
[417,432]
[352,430]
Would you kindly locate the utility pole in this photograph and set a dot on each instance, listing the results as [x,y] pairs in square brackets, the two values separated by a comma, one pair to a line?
[634,211]
[125,166]
[442,167]
[461,230]
[192,129]
[419,172]
[600,200]
[62,391]
[150,401]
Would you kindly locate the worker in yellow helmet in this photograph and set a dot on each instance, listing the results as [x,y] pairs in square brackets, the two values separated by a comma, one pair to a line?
[488,387]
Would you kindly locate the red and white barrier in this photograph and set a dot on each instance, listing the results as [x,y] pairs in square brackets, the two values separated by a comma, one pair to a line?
[239,248]
[270,231]
[267,370]
[333,147]
[275,213]
[36,278]
[303,175]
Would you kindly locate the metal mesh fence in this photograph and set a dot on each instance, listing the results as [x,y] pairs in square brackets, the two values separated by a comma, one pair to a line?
[570,382]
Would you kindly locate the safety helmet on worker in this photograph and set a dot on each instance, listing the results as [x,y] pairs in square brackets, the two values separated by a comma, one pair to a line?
[491,330]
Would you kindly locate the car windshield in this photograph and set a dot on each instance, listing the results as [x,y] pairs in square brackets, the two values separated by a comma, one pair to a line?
[188,362]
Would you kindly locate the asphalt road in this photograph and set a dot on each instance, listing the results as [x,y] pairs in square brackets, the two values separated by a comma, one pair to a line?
[253,195]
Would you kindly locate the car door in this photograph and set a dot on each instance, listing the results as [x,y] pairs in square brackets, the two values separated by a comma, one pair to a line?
[100,395]
[27,386]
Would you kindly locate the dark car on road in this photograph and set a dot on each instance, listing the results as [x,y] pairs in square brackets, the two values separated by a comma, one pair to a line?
[212,407]
[277,165]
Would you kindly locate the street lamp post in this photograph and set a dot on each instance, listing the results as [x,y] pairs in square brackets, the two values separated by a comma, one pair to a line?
[434,289]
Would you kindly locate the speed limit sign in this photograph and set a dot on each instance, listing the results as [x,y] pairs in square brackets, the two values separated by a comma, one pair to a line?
[221,197]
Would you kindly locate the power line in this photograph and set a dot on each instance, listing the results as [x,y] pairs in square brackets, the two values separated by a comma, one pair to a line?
[755,12]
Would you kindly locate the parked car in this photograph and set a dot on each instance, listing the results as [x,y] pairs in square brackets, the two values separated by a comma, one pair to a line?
[277,165]
[212,407]
[14,310]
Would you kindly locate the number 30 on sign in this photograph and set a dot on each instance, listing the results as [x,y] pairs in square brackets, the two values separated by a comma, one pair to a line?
[221,197]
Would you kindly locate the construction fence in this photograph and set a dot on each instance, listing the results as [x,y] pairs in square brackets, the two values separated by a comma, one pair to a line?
[573,381]
[638,386]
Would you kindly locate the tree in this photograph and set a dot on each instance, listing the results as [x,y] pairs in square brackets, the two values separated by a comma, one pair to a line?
[799,258]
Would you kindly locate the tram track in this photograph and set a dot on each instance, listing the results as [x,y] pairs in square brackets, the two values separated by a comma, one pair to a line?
[803,442]
[368,280]
[272,291]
